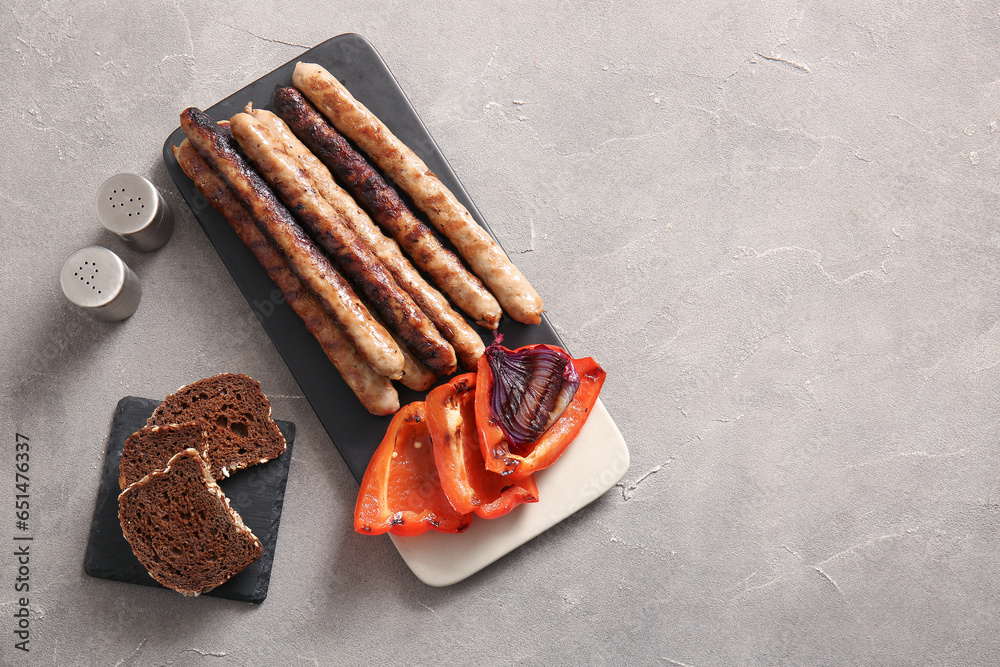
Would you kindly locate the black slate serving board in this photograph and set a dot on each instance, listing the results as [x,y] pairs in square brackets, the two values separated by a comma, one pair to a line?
[356,63]
[257,493]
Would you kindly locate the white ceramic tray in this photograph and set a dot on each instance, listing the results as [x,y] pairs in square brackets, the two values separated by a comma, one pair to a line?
[594,463]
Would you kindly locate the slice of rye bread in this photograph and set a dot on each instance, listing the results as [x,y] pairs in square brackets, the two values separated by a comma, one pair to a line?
[237,414]
[182,529]
[150,448]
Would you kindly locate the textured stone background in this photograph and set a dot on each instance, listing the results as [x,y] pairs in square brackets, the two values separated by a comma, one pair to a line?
[773,223]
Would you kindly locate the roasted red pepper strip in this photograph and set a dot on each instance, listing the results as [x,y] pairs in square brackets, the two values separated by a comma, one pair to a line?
[451,418]
[401,491]
[544,451]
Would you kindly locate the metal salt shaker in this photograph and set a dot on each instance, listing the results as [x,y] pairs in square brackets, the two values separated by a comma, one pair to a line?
[131,207]
[99,282]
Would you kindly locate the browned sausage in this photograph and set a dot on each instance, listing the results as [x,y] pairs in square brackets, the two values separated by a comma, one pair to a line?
[387,209]
[375,392]
[409,172]
[352,256]
[416,376]
[305,260]
[467,343]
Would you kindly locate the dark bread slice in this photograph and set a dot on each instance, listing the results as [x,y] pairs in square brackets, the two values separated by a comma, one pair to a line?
[237,415]
[182,529]
[150,448]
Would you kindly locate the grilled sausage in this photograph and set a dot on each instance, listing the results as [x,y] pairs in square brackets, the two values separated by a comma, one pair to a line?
[409,172]
[386,208]
[375,392]
[416,376]
[304,259]
[352,256]
[468,345]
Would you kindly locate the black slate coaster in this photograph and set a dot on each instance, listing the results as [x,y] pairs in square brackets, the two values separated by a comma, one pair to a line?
[257,493]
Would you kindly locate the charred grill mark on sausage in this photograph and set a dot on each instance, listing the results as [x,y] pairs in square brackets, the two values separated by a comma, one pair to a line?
[466,342]
[350,253]
[386,207]
[485,257]
[305,260]
[375,392]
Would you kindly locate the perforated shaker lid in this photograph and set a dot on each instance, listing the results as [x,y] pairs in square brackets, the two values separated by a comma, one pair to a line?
[97,280]
[131,207]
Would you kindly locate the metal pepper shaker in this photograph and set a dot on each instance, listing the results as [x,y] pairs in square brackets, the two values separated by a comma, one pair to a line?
[99,282]
[131,207]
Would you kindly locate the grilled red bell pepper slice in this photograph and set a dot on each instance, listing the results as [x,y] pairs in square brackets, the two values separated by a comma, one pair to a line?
[498,453]
[401,491]
[451,418]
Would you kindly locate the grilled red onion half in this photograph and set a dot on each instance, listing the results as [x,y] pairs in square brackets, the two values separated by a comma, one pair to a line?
[531,387]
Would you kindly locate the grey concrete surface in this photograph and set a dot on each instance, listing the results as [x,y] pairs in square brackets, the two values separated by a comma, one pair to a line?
[773,223]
